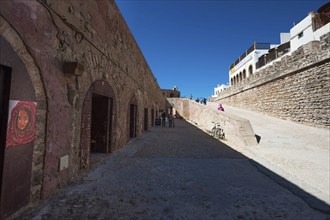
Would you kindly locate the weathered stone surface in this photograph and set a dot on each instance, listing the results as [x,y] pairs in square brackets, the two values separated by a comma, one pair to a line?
[238,131]
[45,34]
[295,88]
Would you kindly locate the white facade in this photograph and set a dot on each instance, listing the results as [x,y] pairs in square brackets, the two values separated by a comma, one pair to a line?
[219,89]
[303,33]
[285,37]
[299,35]
[246,66]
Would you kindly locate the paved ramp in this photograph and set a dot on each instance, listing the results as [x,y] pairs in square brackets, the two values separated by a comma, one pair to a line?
[176,173]
[297,152]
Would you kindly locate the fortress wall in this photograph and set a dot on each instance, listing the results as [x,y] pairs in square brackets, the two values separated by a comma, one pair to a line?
[238,131]
[296,88]
[95,35]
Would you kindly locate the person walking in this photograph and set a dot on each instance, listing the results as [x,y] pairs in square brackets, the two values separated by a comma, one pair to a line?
[170,120]
[163,115]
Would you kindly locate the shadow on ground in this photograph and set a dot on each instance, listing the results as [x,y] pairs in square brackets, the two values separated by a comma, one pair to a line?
[180,173]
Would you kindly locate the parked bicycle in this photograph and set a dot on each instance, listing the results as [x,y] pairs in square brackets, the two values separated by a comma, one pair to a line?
[217,131]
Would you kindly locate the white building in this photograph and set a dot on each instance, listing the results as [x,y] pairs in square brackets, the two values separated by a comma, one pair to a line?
[261,55]
[245,65]
[219,89]
[306,31]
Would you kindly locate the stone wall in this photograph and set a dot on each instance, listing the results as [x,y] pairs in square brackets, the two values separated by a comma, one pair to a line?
[171,93]
[297,87]
[94,34]
[238,131]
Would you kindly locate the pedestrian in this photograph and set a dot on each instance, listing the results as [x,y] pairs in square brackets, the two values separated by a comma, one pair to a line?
[170,120]
[163,115]
[220,108]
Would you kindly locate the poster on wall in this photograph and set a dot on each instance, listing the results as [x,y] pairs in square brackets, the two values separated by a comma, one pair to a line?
[21,123]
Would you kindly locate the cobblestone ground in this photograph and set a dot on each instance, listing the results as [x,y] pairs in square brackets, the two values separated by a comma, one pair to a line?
[175,173]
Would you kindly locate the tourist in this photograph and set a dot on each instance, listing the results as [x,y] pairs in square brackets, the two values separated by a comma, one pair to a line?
[163,115]
[170,120]
[220,107]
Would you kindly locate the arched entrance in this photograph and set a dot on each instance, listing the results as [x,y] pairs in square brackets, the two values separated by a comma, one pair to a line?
[132,115]
[98,123]
[22,118]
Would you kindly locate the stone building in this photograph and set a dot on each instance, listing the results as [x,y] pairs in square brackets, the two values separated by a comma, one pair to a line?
[171,93]
[73,83]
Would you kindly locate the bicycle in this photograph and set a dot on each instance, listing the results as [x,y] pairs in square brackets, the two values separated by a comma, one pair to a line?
[217,131]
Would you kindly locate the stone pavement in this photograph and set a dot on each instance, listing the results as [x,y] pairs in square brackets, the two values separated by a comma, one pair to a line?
[175,173]
[299,153]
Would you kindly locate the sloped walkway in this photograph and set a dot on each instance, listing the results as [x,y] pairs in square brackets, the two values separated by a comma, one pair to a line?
[175,173]
[299,153]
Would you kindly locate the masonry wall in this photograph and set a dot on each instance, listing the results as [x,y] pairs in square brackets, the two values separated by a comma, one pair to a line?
[294,88]
[93,33]
[238,131]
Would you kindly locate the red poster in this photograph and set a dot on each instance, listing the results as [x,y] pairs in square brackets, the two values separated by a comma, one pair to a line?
[22,123]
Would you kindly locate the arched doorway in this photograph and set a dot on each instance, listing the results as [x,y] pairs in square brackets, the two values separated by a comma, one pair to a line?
[23,116]
[98,123]
[146,119]
[250,70]
[132,115]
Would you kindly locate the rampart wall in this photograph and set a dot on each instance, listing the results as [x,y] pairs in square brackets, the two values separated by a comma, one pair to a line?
[238,131]
[296,88]
[47,35]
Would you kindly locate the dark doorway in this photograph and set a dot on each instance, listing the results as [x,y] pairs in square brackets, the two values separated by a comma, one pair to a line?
[152,117]
[145,119]
[5,77]
[132,120]
[101,124]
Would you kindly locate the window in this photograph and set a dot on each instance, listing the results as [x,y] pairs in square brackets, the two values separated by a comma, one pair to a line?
[300,35]
[250,70]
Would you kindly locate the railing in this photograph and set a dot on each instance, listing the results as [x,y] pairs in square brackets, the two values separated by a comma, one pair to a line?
[255,46]
[273,54]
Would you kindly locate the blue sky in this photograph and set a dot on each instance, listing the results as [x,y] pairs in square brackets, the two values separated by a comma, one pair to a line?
[191,44]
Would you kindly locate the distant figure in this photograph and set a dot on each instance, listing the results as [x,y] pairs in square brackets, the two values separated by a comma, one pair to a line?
[170,120]
[204,101]
[220,108]
[197,100]
[163,115]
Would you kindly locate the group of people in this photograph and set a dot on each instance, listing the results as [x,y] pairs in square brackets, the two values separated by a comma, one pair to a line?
[201,100]
[170,119]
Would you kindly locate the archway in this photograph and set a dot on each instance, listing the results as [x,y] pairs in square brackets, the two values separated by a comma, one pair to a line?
[132,115]
[25,97]
[146,119]
[97,123]
[250,70]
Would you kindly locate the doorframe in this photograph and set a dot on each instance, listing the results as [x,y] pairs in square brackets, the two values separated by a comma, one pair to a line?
[9,34]
[109,119]
[4,108]
[103,88]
